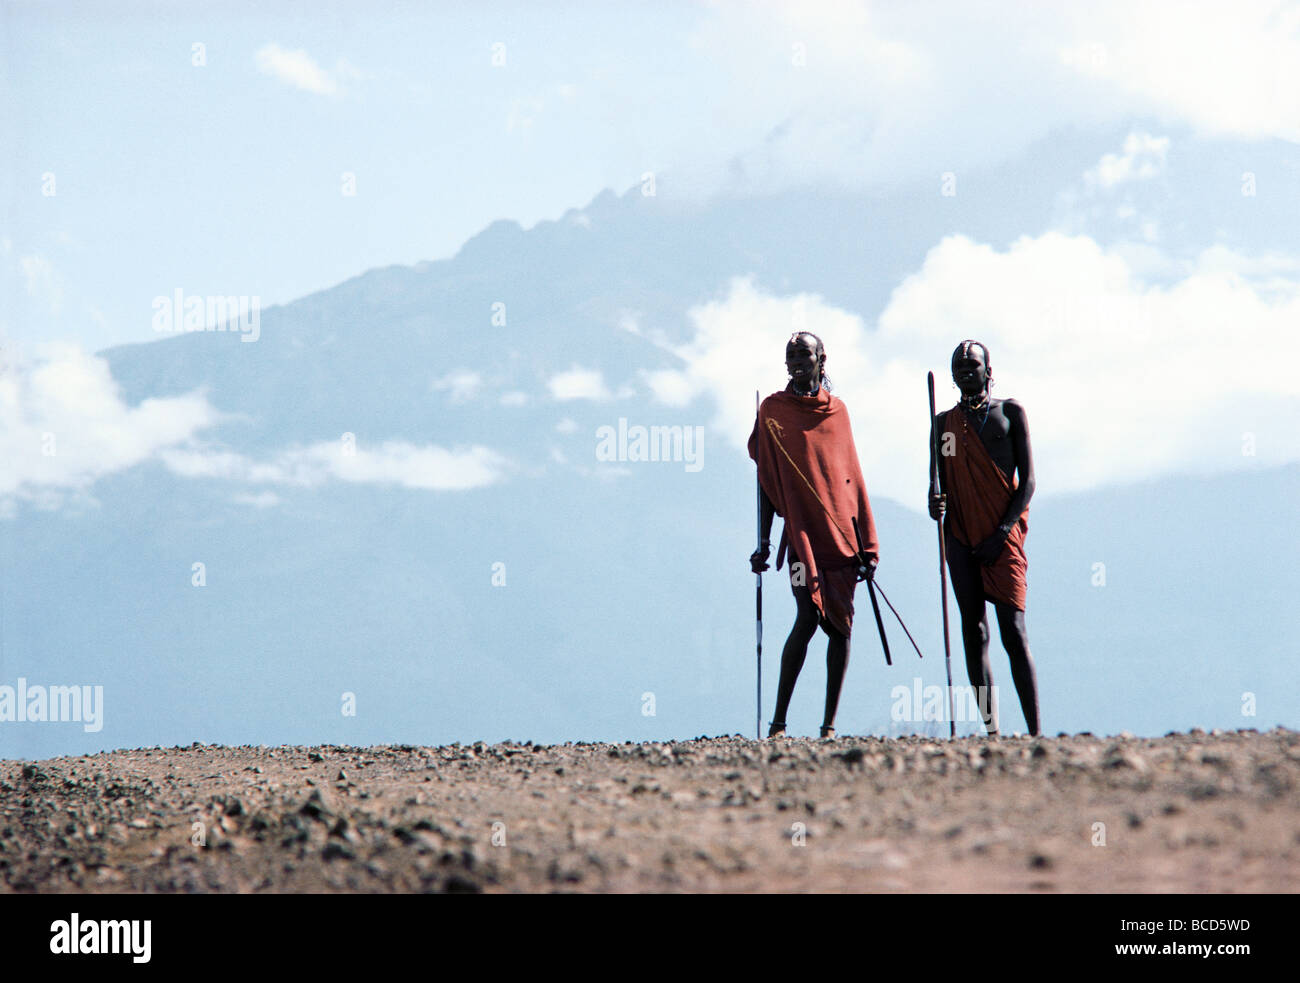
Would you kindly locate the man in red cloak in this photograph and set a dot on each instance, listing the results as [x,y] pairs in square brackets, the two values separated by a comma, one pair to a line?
[809,475]
[983,446]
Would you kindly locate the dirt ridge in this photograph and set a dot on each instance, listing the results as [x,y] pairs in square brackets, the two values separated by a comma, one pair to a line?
[1194,812]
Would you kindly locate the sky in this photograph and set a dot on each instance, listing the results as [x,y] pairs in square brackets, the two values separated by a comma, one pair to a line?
[271,150]
[209,146]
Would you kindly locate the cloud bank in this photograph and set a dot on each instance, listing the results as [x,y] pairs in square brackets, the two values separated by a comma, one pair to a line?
[1121,380]
[867,93]
[393,463]
[64,426]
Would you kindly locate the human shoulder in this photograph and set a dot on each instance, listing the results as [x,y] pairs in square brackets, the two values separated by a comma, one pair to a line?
[1014,413]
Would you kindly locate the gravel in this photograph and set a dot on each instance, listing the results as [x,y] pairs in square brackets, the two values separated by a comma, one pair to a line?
[1194,812]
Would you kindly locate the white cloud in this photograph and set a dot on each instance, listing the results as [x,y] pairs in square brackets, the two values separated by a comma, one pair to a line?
[191,462]
[578,383]
[460,384]
[1121,380]
[1273,268]
[1227,69]
[514,398]
[867,94]
[1143,158]
[397,462]
[63,425]
[393,462]
[298,69]
[567,425]
[670,386]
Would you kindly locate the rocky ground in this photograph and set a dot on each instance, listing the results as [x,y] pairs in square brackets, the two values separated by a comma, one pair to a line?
[1196,812]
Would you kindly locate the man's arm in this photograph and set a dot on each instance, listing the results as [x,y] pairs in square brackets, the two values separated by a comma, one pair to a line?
[988,551]
[758,559]
[766,511]
[1015,414]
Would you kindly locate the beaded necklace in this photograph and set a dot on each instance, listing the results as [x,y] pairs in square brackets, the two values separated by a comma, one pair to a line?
[973,406]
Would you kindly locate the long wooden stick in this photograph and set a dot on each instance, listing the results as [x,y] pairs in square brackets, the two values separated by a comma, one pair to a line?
[758,691]
[871,591]
[943,552]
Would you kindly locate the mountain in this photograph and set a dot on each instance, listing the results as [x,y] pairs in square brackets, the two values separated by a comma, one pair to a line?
[626,586]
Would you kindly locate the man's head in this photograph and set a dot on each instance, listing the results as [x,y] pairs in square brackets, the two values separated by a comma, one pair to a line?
[971,369]
[805,360]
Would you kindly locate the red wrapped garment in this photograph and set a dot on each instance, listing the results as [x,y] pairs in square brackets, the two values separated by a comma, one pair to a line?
[978,496]
[808,467]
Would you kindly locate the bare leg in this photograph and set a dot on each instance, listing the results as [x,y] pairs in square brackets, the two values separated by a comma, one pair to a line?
[969,588]
[796,650]
[1015,639]
[837,663]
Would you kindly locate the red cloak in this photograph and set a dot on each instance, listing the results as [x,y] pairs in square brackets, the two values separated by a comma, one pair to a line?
[808,466]
[978,496]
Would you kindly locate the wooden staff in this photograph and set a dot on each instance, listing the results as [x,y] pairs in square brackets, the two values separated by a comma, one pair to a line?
[758,691]
[943,552]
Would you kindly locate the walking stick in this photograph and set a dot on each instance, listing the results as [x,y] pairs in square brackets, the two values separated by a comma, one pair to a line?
[901,623]
[943,553]
[758,691]
[871,591]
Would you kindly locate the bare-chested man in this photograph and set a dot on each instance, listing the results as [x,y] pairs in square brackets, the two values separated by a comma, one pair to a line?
[987,478]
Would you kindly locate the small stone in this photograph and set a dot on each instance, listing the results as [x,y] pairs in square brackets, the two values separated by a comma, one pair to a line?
[1126,759]
[334,849]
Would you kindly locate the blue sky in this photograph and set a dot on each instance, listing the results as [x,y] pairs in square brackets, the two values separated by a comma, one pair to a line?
[226,177]
[1105,196]
[139,163]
